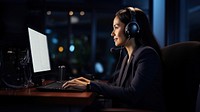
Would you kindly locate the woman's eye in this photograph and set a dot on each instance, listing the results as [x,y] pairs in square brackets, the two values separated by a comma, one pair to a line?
[115,27]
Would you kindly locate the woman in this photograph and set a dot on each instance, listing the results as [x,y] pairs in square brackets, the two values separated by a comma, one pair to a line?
[139,82]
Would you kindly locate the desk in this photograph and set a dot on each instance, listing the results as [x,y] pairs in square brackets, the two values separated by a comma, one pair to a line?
[31,97]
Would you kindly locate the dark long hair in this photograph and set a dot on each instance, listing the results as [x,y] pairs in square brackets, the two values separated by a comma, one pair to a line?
[145,35]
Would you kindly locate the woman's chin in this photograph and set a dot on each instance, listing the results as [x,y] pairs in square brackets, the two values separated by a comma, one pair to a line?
[117,45]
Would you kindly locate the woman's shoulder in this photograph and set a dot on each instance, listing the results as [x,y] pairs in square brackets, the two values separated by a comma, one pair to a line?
[145,49]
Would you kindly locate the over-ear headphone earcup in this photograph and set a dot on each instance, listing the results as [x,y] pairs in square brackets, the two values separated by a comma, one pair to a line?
[131,29]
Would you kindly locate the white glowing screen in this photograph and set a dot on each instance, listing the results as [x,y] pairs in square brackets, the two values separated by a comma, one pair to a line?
[39,51]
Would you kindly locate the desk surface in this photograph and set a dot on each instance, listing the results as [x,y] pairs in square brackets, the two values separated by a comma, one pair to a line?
[33,95]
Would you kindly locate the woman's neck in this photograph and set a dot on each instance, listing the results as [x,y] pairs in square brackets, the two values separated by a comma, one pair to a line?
[130,47]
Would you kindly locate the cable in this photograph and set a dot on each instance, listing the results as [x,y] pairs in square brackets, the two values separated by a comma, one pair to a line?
[26,72]
[11,85]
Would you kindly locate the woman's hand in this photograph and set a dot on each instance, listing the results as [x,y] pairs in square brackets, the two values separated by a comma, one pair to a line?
[77,83]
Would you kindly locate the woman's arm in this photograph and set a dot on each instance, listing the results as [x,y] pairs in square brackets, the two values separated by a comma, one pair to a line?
[146,71]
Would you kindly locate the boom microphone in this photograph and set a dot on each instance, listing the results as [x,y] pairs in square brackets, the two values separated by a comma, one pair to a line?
[114,49]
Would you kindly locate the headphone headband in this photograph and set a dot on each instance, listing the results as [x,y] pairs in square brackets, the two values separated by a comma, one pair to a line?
[132,13]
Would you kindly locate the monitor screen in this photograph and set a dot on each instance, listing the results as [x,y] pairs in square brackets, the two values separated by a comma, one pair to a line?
[39,51]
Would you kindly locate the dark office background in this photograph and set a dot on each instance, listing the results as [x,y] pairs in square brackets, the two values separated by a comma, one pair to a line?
[78,31]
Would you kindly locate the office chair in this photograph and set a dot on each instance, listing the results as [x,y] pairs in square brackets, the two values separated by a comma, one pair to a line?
[181,75]
[198,101]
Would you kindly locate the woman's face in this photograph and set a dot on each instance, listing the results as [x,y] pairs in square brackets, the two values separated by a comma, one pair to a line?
[118,32]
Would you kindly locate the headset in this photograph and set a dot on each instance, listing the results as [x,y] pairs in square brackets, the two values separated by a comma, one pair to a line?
[132,28]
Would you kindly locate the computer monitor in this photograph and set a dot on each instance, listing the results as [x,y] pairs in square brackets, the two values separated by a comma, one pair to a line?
[39,51]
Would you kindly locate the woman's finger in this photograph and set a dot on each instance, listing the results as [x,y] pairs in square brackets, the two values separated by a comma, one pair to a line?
[83,79]
[70,85]
[68,82]
[80,82]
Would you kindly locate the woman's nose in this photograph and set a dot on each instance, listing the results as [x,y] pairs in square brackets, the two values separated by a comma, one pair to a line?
[112,34]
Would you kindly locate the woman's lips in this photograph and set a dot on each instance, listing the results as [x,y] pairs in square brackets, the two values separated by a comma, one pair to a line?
[115,39]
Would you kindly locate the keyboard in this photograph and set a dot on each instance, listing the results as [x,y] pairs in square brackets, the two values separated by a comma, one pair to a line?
[57,86]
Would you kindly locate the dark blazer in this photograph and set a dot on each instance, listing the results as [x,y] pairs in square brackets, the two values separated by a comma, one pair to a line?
[139,82]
